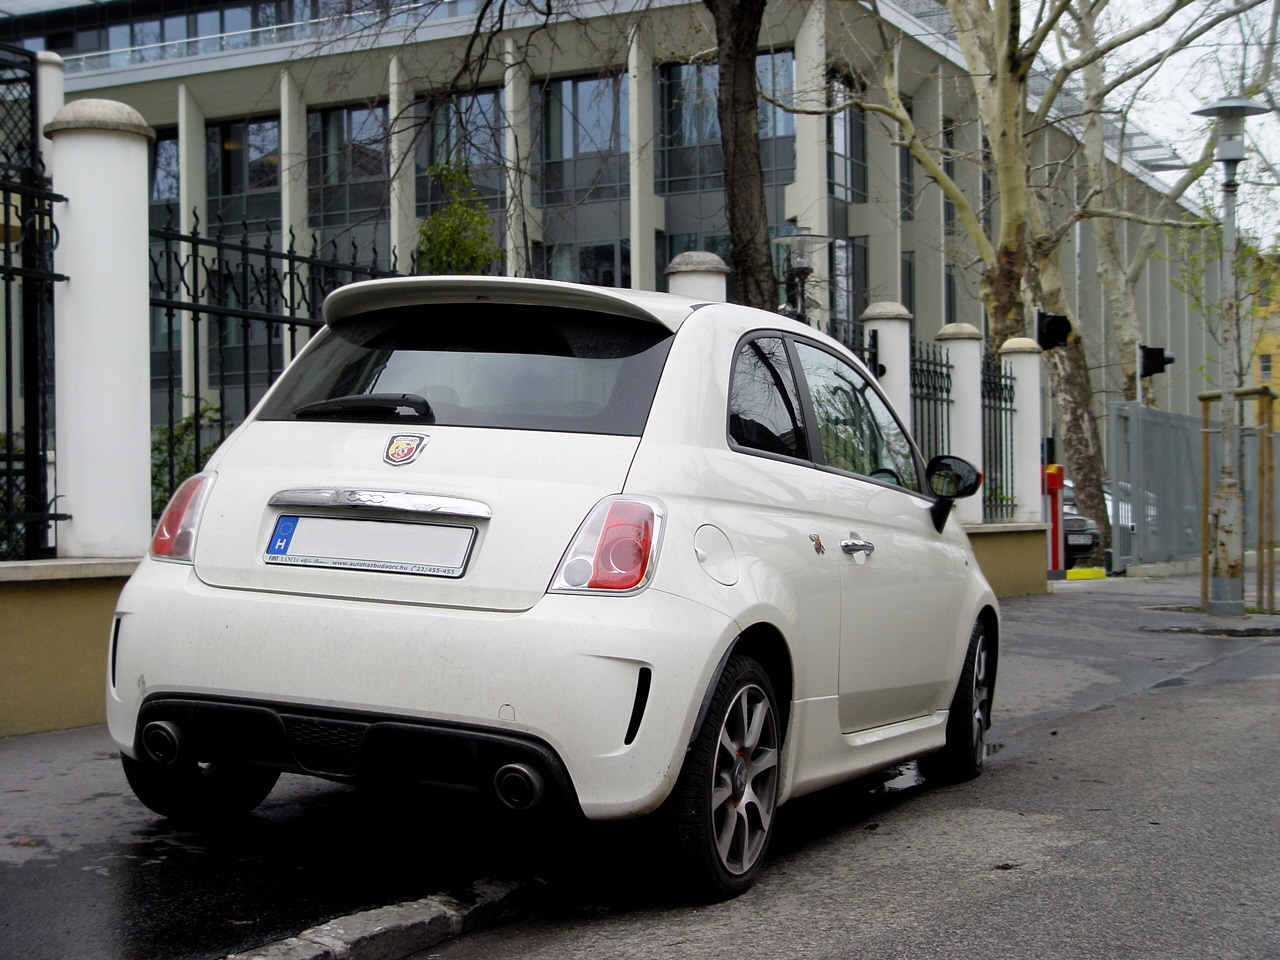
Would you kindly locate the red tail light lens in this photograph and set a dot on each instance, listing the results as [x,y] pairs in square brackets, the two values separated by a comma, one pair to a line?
[175,536]
[614,550]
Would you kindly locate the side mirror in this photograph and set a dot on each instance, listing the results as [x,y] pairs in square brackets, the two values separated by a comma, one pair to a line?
[950,479]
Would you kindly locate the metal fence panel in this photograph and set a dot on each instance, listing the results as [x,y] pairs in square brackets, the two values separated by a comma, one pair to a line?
[930,397]
[998,502]
[1153,491]
[27,489]
[226,315]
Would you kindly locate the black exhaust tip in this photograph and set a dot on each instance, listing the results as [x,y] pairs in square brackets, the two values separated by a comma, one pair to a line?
[519,786]
[162,741]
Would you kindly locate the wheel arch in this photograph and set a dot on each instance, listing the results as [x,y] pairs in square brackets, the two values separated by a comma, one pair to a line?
[990,621]
[764,644]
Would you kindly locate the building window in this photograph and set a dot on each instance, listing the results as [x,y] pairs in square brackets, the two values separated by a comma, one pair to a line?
[1264,368]
[690,155]
[950,295]
[906,178]
[164,167]
[242,161]
[604,264]
[164,181]
[465,130]
[347,164]
[851,286]
[583,139]
[847,159]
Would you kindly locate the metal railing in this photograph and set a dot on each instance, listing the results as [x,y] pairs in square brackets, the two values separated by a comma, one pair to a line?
[28,236]
[998,502]
[930,397]
[402,16]
[227,315]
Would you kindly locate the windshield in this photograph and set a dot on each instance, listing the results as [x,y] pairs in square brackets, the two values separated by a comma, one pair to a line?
[480,365]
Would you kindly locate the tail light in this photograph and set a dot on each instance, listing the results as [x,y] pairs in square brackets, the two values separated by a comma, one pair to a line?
[175,536]
[615,549]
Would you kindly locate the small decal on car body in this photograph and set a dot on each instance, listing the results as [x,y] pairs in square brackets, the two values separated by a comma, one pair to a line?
[404,448]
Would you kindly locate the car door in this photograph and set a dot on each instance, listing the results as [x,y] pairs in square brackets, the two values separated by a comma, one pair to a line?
[901,578]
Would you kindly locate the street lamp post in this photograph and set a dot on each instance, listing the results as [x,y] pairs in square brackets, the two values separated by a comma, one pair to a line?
[802,246]
[1226,588]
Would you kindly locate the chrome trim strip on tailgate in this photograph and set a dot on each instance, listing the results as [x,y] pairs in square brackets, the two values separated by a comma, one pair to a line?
[397,500]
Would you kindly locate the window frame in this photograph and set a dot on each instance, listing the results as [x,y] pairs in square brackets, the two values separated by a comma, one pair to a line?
[814,456]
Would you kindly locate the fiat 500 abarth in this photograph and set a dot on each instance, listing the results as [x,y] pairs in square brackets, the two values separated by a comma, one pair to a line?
[625,552]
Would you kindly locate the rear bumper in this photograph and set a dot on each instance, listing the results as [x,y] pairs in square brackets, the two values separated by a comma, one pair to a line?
[352,747]
[599,693]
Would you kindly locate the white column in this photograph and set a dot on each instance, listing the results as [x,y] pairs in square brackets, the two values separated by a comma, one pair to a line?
[647,210]
[806,198]
[964,348]
[524,221]
[193,208]
[924,234]
[879,219]
[404,216]
[1023,356]
[293,165]
[49,99]
[102,379]
[193,178]
[891,322]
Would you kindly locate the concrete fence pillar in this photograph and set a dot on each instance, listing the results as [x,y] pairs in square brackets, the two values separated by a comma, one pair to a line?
[891,323]
[1023,356]
[699,275]
[964,349]
[101,347]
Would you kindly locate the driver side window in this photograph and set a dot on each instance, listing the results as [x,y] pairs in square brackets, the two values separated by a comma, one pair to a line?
[858,434]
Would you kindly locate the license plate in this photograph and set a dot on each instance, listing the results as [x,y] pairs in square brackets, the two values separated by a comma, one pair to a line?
[384,546]
[1079,539]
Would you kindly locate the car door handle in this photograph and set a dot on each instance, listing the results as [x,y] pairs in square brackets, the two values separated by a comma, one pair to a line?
[858,546]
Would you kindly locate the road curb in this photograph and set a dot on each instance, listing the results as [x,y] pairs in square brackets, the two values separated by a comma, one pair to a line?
[397,931]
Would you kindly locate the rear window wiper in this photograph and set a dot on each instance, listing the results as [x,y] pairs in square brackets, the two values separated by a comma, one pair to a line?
[378,407]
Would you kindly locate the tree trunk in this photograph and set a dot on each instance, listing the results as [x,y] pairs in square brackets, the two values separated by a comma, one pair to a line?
[737,25]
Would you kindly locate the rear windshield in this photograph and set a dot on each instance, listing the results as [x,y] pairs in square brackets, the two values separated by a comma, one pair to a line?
[480,365]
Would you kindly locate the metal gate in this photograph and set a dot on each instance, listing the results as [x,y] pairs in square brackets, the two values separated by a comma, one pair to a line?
[1153,493]
[227,314]
[27,239]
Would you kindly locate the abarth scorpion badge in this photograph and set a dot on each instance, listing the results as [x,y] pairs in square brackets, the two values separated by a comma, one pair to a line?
[404,448]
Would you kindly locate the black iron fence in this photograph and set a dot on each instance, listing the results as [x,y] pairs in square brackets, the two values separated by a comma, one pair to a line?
[227,314]
[864,343]
[27,239]
[930,397]
[998,500]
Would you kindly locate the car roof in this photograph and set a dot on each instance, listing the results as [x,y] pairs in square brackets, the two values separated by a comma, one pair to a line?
[360,298]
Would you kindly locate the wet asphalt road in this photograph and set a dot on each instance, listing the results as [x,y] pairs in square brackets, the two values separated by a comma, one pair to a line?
[87,872]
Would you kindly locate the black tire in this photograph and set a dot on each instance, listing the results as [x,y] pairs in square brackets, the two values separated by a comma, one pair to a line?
[199,792]
[725,800]
[966,750]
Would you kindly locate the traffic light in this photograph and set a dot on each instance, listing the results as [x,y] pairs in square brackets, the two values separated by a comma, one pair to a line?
[1154,360]
[1052,329]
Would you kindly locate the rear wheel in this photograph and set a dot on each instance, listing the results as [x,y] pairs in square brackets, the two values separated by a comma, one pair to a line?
[725,799]
[966,750]
[187,790]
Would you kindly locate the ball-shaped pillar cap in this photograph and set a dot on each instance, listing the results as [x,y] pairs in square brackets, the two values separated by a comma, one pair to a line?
[99,115]
[959,331]
[1020,345]
[696,261]
[885,310]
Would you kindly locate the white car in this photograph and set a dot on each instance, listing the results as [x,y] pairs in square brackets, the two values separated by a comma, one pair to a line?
[621,551]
